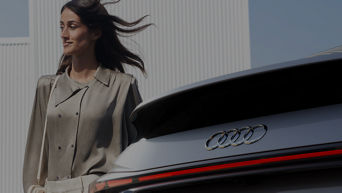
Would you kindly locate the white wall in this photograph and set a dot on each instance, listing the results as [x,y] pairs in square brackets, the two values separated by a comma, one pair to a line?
[192,40]
[16,83]
[44,31]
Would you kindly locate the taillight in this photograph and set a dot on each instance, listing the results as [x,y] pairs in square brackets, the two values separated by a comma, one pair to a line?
[120,182]
[96,187]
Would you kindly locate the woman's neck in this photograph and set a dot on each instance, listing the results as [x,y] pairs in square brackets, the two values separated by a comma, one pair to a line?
[83,68]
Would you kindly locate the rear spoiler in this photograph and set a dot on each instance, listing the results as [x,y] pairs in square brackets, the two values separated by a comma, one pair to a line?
[283,87]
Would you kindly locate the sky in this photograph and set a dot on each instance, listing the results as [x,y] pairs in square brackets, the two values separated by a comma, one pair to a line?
[14,20]
[283,30]
[280,30]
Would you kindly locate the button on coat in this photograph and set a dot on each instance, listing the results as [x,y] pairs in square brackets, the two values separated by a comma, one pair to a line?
[87,125]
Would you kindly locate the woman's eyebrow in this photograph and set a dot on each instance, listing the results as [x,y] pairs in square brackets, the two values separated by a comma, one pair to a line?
[73,21]
[70,21]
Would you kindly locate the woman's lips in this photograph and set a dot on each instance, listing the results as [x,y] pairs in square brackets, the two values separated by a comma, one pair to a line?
[66,44]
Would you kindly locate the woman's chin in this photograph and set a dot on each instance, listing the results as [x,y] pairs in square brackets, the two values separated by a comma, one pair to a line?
[67,52]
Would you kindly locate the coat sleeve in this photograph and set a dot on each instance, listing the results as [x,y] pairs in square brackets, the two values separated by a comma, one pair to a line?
[133,99]
[35,134]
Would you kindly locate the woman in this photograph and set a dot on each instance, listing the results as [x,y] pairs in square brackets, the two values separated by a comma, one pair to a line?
[88,113]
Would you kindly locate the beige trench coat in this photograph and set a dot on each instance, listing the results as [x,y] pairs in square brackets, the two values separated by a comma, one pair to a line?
[87,126]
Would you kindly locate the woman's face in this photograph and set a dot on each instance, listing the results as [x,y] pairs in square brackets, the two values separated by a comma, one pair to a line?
[77,38]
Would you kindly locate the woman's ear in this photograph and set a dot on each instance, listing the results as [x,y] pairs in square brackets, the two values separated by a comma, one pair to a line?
[96,34]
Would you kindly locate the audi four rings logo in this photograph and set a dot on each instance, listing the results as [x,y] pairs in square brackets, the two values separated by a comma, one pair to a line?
[235,137]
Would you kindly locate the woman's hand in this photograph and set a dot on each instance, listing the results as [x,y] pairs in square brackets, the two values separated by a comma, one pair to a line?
[36,189]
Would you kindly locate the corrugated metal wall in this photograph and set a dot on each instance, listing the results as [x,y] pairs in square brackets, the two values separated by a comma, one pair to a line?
[16,83]
[44,30]
[192,40]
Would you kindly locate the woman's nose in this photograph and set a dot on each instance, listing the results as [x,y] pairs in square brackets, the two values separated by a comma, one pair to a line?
[64,33]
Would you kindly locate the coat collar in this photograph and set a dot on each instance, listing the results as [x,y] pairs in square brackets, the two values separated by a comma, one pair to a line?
[103,75]
[66,87]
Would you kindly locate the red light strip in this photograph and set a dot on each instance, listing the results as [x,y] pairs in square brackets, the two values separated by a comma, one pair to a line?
[100,186]
[114,183]
[240,164]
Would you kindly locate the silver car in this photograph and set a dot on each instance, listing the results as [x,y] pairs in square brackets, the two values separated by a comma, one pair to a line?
[272,129]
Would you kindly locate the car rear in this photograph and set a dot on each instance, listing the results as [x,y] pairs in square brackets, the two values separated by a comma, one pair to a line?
[273,129]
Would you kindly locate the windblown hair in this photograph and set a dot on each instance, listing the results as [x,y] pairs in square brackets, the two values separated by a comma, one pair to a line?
[109,51]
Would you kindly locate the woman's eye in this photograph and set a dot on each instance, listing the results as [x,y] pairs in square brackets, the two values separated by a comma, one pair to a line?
[73,26]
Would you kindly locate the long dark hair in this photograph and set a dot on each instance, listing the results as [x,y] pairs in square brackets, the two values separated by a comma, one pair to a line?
[109,51]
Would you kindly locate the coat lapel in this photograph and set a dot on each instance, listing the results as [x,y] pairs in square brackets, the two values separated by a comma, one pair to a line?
[64,90]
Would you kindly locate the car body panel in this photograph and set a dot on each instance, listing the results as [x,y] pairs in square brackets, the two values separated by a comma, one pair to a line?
[308,127]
